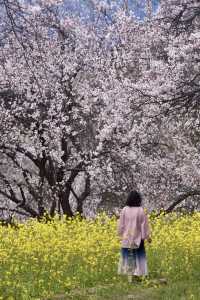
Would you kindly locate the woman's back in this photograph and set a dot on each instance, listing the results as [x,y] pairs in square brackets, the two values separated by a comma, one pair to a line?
[133,229]
[133,226]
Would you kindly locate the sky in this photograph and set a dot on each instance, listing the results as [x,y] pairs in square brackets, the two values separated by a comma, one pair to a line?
[84,8]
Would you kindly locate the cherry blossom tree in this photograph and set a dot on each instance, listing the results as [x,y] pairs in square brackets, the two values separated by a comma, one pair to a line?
[93,109]
[172,84]
[46,123]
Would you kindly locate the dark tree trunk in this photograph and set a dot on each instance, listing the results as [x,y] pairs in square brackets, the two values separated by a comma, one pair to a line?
[64,201]
[80,207]
[84,195]
[80,199]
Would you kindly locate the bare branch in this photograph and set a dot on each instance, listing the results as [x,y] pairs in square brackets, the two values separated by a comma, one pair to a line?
[181,198]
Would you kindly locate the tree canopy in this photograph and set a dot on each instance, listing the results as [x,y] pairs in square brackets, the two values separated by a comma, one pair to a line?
[93,109]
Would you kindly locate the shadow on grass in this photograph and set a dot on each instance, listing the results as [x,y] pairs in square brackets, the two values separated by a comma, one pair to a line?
[153,289]
[119,291]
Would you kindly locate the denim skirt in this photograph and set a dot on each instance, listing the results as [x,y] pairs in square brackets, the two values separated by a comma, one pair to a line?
[133,261]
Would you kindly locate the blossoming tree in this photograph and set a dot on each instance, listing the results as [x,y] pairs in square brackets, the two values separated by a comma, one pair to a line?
[91,108]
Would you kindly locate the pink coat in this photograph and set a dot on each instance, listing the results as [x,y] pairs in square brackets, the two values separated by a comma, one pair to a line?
[133,227]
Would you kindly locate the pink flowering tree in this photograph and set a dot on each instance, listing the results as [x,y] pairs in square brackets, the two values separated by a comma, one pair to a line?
[88,110]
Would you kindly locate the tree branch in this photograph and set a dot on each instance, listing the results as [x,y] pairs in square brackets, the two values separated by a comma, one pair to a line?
[181,198]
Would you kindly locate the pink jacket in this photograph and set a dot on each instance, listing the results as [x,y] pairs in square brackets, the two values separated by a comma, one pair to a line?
[133,227]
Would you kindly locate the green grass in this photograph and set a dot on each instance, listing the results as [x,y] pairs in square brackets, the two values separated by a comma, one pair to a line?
[151,290]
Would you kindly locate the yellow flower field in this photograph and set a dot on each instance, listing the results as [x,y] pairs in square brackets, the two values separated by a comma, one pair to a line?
[38,259]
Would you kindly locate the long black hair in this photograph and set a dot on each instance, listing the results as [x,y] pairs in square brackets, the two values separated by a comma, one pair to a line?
[134,199]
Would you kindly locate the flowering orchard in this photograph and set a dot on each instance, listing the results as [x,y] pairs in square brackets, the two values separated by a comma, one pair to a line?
[39,260]
[97,106]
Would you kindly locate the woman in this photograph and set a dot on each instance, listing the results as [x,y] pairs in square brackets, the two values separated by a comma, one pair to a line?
[133,229]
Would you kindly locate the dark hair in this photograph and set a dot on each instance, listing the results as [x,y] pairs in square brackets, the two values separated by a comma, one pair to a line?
[134,199]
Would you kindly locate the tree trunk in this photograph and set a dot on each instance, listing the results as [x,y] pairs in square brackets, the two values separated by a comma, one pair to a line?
[64,201]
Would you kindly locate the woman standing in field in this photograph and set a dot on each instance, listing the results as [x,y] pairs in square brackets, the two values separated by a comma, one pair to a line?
[133,229]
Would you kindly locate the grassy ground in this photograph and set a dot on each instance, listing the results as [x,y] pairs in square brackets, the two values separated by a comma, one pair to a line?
[151,290]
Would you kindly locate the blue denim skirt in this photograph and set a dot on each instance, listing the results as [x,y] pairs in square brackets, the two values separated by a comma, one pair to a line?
[133,261]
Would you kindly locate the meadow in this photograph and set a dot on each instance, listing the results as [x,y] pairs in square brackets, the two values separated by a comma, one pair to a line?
[77,259]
